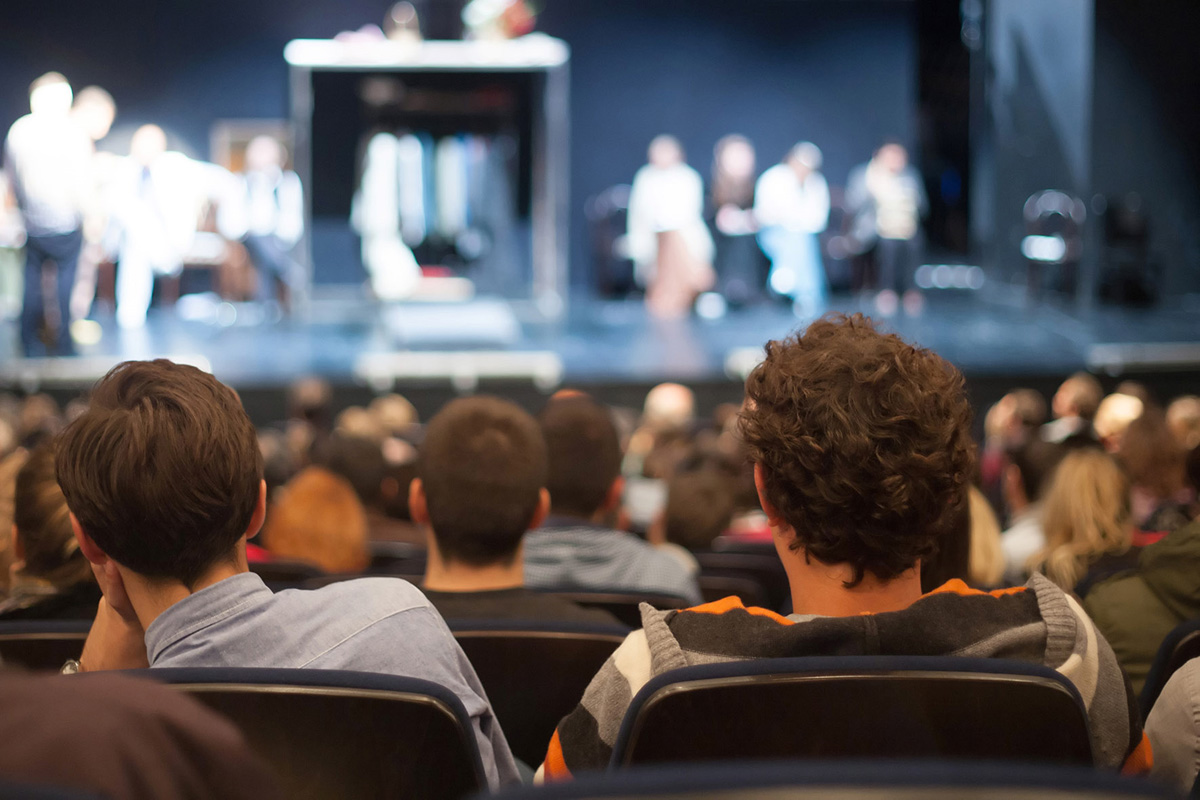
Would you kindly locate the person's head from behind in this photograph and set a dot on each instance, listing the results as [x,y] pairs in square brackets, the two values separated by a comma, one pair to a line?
[1086,515]
[44,545]
[699,508]
[357,459]
[1078,396]
[584,455]
[162,473]
[481,478]
[1114,416]
[94,111]
[862,447]
[1031,466]
[1152,457]
[317,518]
[50,95]
[1183,418]
[669,406]
[665,151]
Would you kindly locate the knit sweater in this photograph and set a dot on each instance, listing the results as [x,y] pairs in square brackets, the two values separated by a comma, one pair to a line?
[1036,623]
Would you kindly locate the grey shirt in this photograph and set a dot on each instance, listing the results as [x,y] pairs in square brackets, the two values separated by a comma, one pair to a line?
[1173,728]
[380,625]
[577,556]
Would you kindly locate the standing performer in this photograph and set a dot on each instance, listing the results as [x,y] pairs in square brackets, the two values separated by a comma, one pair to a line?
[94,111]
[667,239]
[48,161]
[731,209]
[886,199]
[265,211]
[791,202]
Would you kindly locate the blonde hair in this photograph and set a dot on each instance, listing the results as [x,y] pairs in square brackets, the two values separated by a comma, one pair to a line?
[317,518]
[986,564]
[1085,515]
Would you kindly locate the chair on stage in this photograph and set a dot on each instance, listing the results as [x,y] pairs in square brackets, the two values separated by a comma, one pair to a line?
[856,707]
[847,780]
[338,734]
[42,644]
[716,587]
[1180,646]
[534,673]
[622,605]
[765,570]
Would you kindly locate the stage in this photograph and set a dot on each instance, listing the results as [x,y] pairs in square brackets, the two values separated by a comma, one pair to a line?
[431,351]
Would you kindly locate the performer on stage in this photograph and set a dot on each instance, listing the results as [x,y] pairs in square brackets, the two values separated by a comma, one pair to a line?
[667,239]
[886,200]
[94,111]
[264,210]
[791,202]
[731,210]
[48,161]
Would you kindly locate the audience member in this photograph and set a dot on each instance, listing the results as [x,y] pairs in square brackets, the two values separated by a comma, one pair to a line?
[50,578]
[1155,464]
[1173,728]
[1074,406]
[1183,418]
[1089,533]
[361,461]
[575,549]
[1113,417]
[316,518]
[857,501]
[480,486]
[167,545]
[1135,611]
[699,508]
[985,567]
[1031,466]
[124,739]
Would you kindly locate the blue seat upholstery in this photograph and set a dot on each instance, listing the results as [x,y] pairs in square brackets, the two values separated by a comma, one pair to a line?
[333,733]
[847,780]
[856,707]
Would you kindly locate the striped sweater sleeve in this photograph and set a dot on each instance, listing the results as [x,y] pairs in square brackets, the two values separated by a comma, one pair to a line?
[584,739]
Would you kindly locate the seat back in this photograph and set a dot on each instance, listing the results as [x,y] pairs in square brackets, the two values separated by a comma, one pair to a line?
[42,644]
[765,570]
[622,605]
[534,675]
[716,587]
[856,707]
[1180,646]
[336,734]
[280,574]
[848,780]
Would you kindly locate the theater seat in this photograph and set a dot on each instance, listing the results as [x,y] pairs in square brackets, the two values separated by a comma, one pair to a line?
[622,605]
[280,574]
[12,790]
[716,587]
[43,644]
[848,780]
[856,707]
[534,674]
[765,570]
[337,734]
[1180,646]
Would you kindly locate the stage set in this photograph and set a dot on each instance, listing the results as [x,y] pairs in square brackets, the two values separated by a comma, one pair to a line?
[457,237]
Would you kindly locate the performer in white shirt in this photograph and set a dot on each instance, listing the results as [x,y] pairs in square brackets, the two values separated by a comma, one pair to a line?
[667,238]
[791,203]
[264,210]
[48,160]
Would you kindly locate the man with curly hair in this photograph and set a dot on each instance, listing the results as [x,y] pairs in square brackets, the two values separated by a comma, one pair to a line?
[862,454]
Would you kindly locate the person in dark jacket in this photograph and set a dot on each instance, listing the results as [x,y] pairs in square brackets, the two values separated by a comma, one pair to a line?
[1136,610]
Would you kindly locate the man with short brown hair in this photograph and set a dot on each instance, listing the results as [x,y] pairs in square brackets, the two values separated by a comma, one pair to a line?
[163,478]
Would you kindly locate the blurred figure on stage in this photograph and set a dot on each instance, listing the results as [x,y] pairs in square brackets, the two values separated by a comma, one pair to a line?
[94,112]
[667,239]
[731,212]
[886,200]
[155,203]
[47,159]
[791,202]
[264,210]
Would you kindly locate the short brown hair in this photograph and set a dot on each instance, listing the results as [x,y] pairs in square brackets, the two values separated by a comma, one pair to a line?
[482,465]
[864,443]
[699,507]
[317,517]
[162,470]
[584,451]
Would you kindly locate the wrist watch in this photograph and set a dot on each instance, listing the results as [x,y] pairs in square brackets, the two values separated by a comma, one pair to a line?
[72,667]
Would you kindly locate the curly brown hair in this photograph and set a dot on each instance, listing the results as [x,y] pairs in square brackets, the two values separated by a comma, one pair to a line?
[864,443]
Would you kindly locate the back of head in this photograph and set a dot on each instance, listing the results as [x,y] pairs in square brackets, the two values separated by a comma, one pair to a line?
[584,455]
[1036,459]
[43,525]
[482,465]
[699,507]
[669,406]
[1152,456]
[1183,418]
[1085,515]
[1113,417]
[357,459]
[317,518]
[163,469]
[1029,407]
[863,442]
[1079,395]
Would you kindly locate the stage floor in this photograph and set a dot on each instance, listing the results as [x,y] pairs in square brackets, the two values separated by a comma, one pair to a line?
[348,340]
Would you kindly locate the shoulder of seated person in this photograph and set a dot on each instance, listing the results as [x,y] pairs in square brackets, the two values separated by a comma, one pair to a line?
[375,584]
